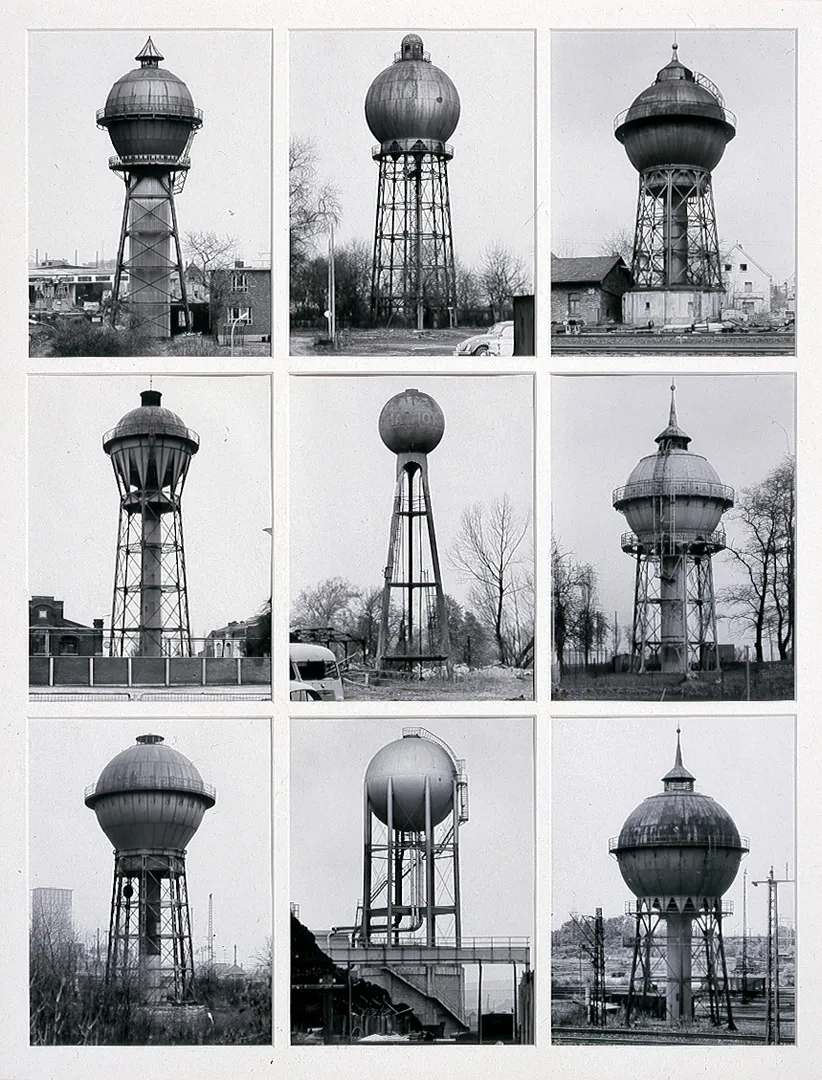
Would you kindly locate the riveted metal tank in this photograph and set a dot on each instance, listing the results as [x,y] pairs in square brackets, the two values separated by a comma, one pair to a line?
[412,423]
[412,99]
[673,491]
[679,120]
[150,797]
[150,448]
[149,112]
[409,763]
[679,843]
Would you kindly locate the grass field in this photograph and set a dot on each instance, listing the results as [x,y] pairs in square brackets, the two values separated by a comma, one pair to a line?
[400,342]
[484,684]
[768,682]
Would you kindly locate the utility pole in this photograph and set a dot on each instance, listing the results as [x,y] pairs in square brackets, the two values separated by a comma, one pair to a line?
[744,932]
[772,1014]
[592,929]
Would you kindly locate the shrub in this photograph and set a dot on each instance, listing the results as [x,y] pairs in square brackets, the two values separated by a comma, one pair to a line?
[81,338]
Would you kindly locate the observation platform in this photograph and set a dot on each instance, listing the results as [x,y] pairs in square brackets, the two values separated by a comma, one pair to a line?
[674,542]
[496,950]
[169,162]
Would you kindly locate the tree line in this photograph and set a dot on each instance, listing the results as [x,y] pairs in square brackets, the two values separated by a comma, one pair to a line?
[315,207]
[496,625]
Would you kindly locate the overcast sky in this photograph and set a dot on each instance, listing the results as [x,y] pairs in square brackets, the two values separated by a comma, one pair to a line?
[602,425]
[229,856]
[596,74]
[343,475]
[603,768]
[74,502]
[493,72]
[496,844]
[75,202]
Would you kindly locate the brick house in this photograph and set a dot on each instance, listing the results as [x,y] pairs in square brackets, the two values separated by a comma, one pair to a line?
[52,634]
[589,289]
[241,296]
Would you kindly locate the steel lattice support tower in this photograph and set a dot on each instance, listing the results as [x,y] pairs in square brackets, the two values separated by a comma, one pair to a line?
[688,958]
[413,272]
[149,801]
[150,451]
[150,943]
[151,119]
[414,631]
[413,108]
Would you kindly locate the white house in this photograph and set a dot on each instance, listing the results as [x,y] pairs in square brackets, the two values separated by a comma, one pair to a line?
[747,284]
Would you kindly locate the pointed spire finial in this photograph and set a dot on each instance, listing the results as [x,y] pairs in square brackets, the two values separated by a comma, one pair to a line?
[149,55]
[672,419]
[678,761]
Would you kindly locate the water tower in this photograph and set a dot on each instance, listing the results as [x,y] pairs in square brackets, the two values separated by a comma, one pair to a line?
[679,852]
[151,120]
[412,425]
[673,503]
[675,134]
[150,450]
[412,109]
[149,802]
[416,800]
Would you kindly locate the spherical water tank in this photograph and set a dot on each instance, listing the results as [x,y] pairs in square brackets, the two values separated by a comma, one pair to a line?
[676,121]
[150,796]
[149,111]
[412,99]
[696,499]
[412,423]
[409,762]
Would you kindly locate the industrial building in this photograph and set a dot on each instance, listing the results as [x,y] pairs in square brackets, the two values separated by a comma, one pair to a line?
[588,291]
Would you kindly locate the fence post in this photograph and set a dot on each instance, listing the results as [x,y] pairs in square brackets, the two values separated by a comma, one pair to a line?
[91,671]
[128,671]
[239,671]
[168,671]
[51,671]
[204,681]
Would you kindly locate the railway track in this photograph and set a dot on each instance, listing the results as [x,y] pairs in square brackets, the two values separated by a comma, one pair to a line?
[586,1036]
[701,345]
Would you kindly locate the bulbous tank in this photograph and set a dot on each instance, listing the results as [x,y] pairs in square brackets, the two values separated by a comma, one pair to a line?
[677,120]
[149,111]
[150,796]
[409,762]
[412,99]
[694,498]
[150,447]
[679,843]
[412,423]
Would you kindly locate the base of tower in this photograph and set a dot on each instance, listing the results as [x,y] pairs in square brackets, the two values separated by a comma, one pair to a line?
[671,307]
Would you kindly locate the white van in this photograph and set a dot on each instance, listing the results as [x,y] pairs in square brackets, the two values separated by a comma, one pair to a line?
[317,666]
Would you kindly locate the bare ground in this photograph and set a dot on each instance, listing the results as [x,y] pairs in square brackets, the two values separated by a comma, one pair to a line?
[399,342]
[486,684]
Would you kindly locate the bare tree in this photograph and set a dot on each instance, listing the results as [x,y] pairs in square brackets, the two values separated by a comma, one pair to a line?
[619,242]
[209,251]
[314,204]
[469,287]
[502,275]
[564,249]
[327,604]
[765,555]
[487,551]
[577,619]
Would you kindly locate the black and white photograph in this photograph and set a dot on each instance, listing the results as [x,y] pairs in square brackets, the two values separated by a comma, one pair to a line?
[682,238]
[411,186]
[412,558]
[412,882]
[673,574]
[124,604]
[673,881]
[177,814]
[149,202]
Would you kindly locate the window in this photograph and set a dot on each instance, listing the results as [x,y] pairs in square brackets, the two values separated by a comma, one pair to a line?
[42,613]
[748,305]
[239,282]
[743,267]
[240,315]
[728,266]
[573,303]
[748,286]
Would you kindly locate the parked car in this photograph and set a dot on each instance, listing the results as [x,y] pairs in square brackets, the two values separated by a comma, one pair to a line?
[498,341]
[300,691]
[317,667]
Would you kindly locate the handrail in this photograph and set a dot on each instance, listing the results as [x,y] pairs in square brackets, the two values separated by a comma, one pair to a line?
[149,106]
[187,433]
[675,108]
[672,537]
[150,783]
[641,489]
[647,839]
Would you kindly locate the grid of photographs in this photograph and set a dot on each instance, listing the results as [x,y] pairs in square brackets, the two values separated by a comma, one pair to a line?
[496,443]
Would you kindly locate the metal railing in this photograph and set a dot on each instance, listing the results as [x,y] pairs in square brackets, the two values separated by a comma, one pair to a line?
[672,540]
[429,146]
[140,782]
[426,56]
[149,107]
[633,907]
[662,109]
[171,162]
[148,424]
[643,489]
[648,837]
